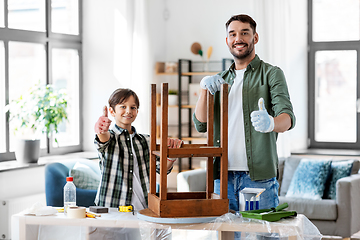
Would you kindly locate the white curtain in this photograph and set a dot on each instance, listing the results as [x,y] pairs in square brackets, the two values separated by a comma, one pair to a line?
[131,54]
[274,27]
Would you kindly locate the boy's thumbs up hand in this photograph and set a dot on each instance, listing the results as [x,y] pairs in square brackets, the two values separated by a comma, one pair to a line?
[103,123]
[261,120]
[105,111]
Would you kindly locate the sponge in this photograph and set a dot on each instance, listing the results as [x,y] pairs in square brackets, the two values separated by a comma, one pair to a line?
[98,209]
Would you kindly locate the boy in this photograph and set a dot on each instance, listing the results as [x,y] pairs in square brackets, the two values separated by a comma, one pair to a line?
[124,154]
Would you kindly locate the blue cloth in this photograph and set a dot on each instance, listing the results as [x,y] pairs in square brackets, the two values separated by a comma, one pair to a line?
[238,180]
[309,179]
[339,169]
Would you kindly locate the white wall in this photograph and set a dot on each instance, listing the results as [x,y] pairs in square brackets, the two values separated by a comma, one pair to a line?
[22,182]
[188,21]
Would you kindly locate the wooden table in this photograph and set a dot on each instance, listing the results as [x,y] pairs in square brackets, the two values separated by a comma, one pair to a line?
[24,226]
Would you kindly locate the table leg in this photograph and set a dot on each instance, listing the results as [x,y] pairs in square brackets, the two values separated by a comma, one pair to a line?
[224,235]
[87,233]
[292,237]
[22,229]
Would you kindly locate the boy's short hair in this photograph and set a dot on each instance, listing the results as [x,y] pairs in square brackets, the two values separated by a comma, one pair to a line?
[120,95]
[242,18]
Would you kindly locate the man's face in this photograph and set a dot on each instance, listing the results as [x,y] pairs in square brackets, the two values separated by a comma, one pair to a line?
[241,40]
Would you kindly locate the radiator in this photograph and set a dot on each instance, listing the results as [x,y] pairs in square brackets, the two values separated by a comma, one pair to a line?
[12,206]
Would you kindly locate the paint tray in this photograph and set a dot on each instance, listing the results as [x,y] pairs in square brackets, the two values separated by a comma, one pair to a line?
[271,215]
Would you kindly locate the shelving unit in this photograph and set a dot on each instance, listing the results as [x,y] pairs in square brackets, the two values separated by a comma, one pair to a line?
[189,69]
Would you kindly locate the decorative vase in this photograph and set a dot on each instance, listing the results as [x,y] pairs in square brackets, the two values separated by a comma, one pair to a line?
[27,151]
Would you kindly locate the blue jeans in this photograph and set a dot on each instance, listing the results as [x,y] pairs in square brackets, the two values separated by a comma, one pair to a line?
[237,181]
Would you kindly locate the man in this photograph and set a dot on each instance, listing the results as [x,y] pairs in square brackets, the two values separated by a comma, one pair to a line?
[258,96]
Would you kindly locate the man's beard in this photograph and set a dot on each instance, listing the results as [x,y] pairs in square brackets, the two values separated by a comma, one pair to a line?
[244,55]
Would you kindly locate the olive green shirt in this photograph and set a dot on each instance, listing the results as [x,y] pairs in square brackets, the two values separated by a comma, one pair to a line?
[260,80]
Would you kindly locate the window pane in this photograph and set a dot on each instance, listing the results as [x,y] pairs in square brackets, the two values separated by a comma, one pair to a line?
[335,20]
[65,16]
[335,104]
[65,70]
[27,64]
[27,15]
[2,13]
[2,99]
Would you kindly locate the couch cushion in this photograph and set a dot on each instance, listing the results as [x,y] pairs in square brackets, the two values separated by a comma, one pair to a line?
[355,166]
[290,166]
[339,169]
[309,179]
[313,209]
[281,164]
[84,176]
[191,181]
[356,163]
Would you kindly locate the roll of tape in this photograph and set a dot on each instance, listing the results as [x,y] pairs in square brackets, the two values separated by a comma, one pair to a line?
[76,212]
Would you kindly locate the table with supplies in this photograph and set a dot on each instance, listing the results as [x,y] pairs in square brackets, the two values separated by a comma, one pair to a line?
[127,225]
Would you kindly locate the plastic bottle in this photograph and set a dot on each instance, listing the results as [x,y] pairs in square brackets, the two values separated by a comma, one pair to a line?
[69,194]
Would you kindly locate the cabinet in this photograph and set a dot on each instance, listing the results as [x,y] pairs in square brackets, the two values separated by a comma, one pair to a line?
[188,72]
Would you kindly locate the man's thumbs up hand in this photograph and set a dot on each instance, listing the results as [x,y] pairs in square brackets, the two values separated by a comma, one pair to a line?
[103,123]
[261,104]
[261,120]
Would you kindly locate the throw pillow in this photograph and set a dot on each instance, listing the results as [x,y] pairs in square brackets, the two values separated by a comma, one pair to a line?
[339,169]
[309,179]
[84,177]
[290,165]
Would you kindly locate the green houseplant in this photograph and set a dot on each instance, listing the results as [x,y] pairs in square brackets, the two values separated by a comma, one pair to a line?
[39,110]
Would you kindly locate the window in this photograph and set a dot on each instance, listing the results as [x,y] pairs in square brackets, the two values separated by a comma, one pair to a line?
[334,74]
[40,41]
[27,15]
[31,59]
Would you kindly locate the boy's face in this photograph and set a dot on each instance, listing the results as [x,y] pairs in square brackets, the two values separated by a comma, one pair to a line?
[125,113]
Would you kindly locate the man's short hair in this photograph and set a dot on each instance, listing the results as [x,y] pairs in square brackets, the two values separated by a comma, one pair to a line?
[242,18]
[120,95]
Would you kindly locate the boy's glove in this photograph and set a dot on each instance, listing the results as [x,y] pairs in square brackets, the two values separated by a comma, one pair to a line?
[103,123]
[212,83]
[261,120]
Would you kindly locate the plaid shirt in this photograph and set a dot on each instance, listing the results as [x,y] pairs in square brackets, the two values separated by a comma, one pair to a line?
[116,165]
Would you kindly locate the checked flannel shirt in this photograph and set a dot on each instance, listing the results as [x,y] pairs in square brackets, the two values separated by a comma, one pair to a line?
[117,166]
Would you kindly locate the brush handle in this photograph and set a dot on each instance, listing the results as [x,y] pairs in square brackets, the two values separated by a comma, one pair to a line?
[281,207]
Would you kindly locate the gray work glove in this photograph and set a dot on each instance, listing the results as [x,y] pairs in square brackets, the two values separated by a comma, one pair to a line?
[212,83]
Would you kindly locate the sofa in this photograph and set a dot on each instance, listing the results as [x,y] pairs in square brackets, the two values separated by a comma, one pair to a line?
[86,174]
[337,215]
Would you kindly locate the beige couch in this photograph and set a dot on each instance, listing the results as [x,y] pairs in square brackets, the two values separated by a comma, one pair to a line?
[340,217]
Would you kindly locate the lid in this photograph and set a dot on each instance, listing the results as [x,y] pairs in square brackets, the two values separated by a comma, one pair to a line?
[69,179]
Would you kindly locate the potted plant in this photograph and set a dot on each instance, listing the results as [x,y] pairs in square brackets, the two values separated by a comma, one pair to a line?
[39,110]
[173,97]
